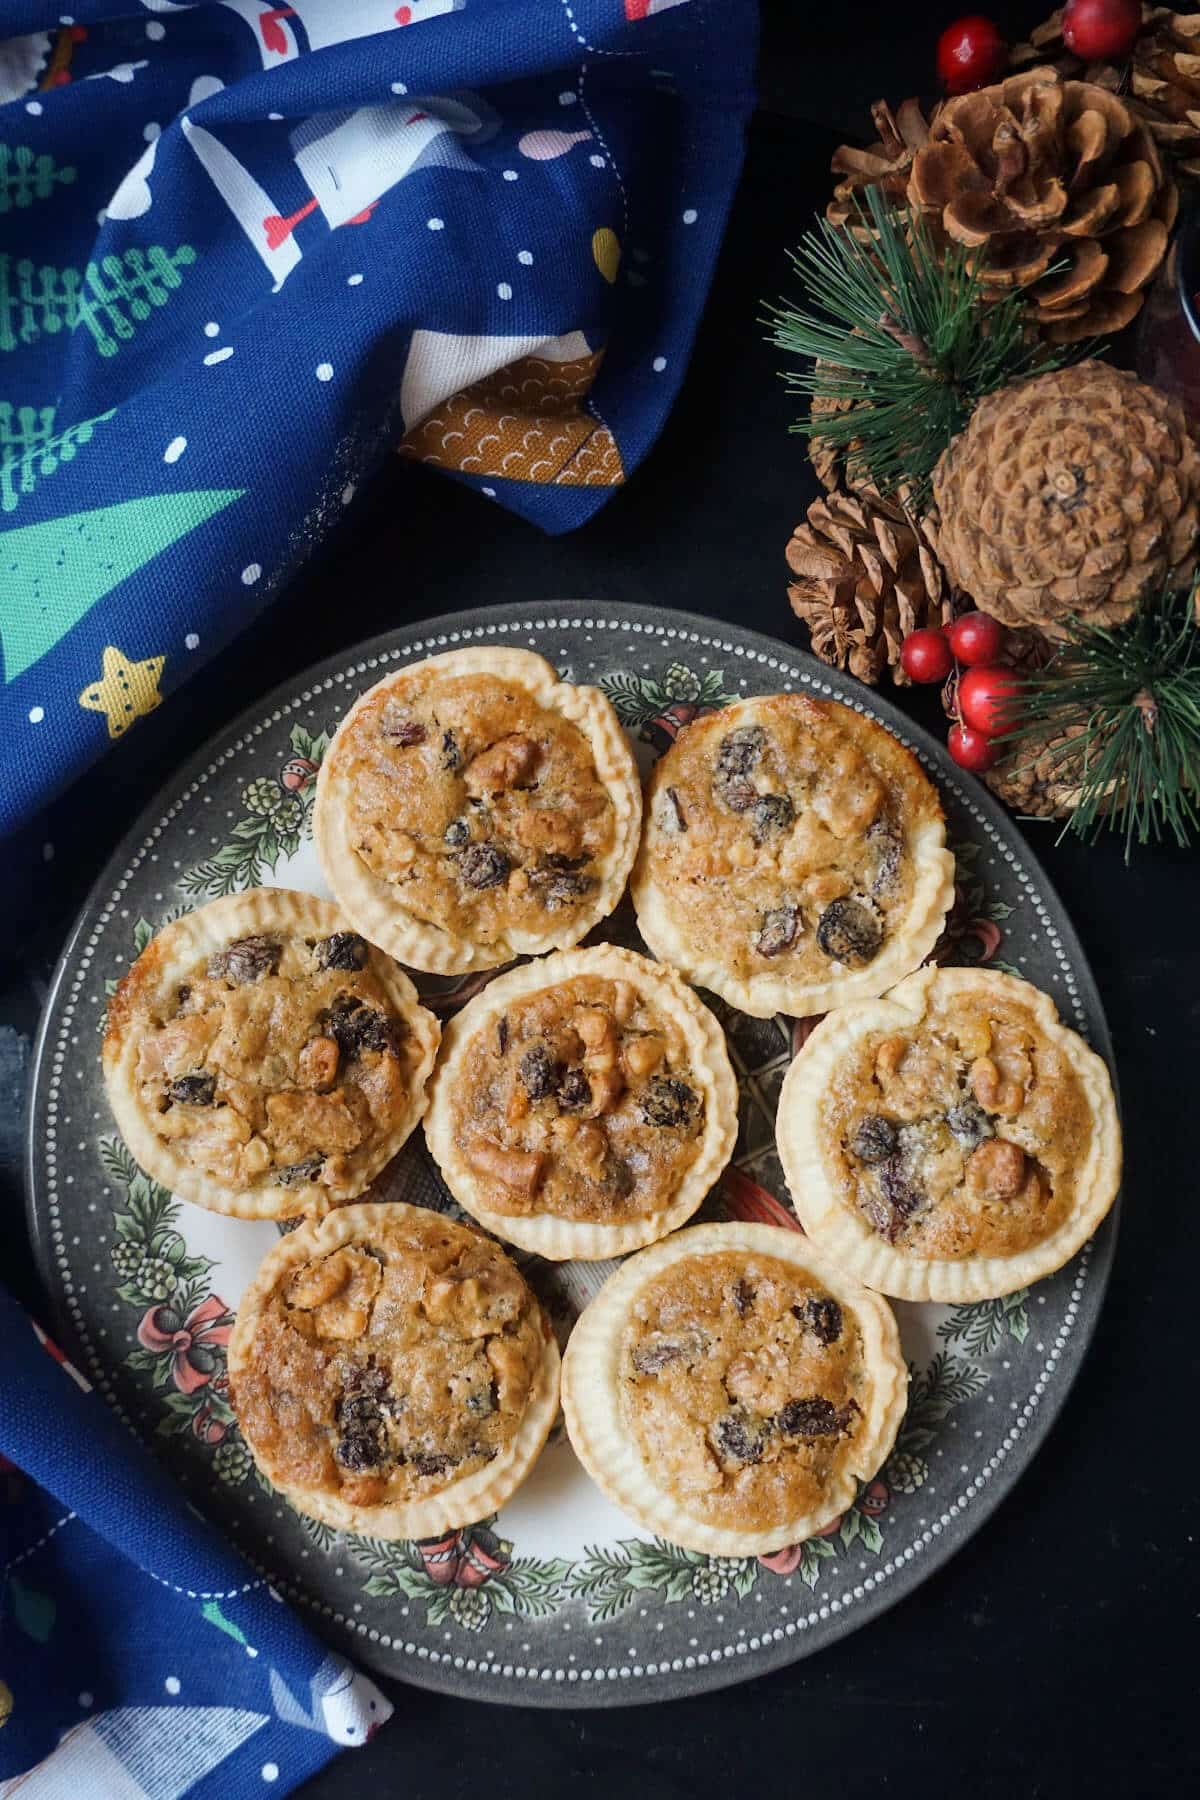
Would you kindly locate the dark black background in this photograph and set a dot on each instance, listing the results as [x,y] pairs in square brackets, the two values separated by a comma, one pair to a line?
[1057,1653]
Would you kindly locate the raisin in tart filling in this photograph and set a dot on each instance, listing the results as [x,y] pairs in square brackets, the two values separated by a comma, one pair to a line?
[794,856]
[952,1141]
[392,1372]
[262,1059]
[474,807]
[730,1387]
[584,1105]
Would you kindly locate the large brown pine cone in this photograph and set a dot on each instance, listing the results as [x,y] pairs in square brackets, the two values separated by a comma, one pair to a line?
[1075,494]
[884,164]
[1161,80]
[866,577]
[1041,172]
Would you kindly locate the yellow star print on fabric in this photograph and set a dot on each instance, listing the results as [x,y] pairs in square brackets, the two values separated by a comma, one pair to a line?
[126,690]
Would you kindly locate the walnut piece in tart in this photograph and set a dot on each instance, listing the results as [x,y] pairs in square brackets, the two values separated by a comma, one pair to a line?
[263,1059]
[392,1372]
[793,856]
[584,1104]
[951,1141]
[473,808]
[729,1388]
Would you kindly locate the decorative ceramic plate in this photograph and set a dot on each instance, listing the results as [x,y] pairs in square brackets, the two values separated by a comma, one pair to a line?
[560,1600]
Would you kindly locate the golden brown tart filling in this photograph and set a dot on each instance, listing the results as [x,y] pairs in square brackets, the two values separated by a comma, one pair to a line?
[483,810]
[581,1102]
[791,844]
[960,1138]
[743,1382]
[381,1371]
[276,1060]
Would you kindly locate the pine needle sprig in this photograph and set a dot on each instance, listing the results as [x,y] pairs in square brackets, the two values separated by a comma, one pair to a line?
[1130,694]
[901,341]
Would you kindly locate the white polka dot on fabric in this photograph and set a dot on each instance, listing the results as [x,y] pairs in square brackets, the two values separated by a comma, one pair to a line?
[690,216]
[354,281]
[525,256]
[152,131]
[436,224]
[398,87]
[275,116]
[659,364]
[324,371]
[567,97]
[174,449]
[511,175]
[270,1771]
[34,107]
[36,714]
[191,641]
[172,1684]
[218,356]
[212,329]
[155,31]
[85,1699]
[504,291]
[490,492]
[251,573]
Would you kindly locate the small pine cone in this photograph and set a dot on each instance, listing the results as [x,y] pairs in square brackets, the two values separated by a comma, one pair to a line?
[1161,82]
[834,463]
[126,1259]
[1039,172]
[265,797]
[904,1474]
[884,164]
[866,578]
[470,1608]
[679,682]
[828,460]
[1032,780]
[156,1277]
[1073,495]
[710,1582]
[232,1462]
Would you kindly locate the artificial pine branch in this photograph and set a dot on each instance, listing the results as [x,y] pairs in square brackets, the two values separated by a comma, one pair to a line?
[1132,696]
[902,341]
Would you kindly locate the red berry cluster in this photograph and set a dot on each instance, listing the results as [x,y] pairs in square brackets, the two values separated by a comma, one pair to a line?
[974,643]
[971,53]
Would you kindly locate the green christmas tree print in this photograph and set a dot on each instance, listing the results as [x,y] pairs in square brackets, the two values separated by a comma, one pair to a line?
[110,299]
[26,177]
[54,573]
[30,451]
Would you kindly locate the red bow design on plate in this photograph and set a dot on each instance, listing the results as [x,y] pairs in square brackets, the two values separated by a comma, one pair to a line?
[191,1342]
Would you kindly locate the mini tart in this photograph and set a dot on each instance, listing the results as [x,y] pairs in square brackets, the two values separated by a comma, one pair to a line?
[263,1059]
[952,1141]
[391,1371]
[474,808]
[583,1105]
[730,1387]
[794,856]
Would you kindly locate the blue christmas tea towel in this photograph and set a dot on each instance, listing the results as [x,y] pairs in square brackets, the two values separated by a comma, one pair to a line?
[248,249]
[140,1659]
